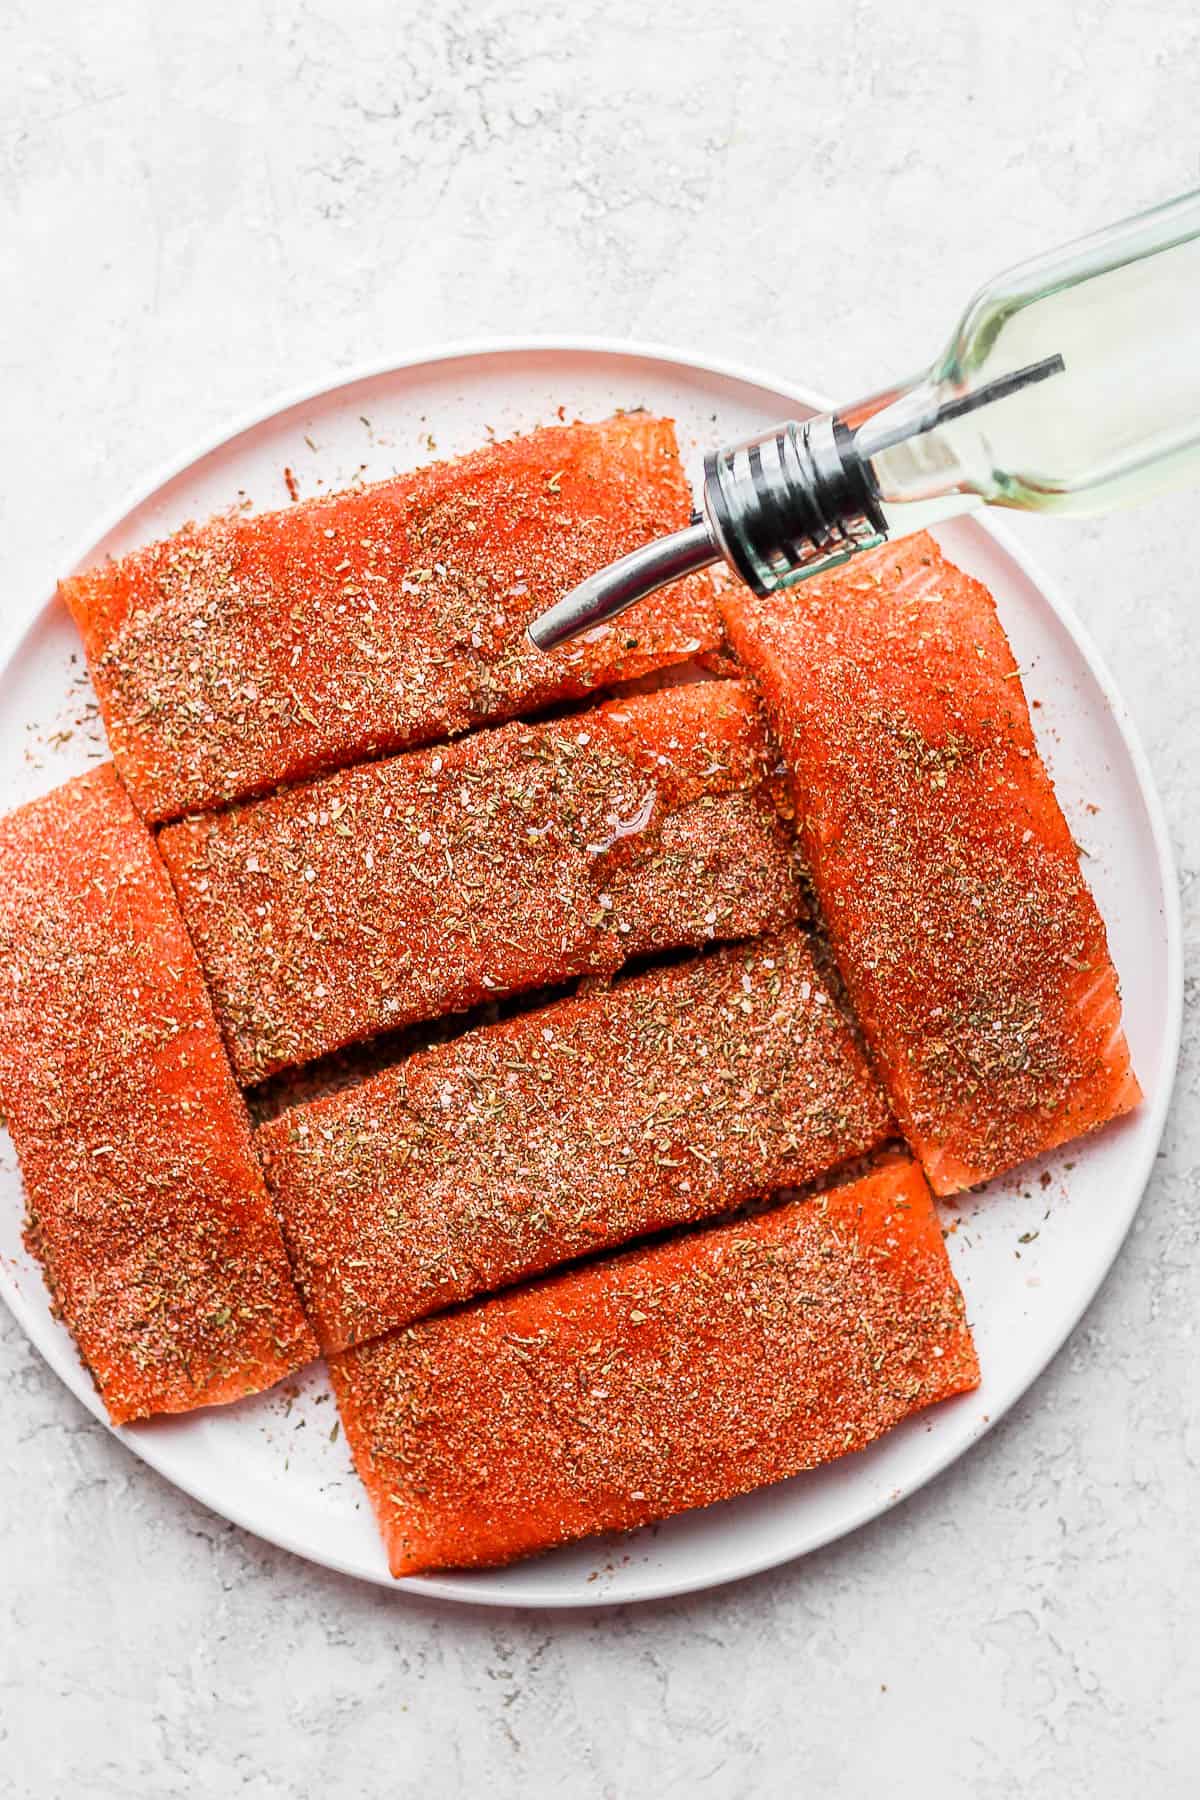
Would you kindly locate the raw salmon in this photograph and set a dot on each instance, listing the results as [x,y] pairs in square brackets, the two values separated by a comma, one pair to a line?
[972,950]
[256,650]
[424,884]
[146,1204]
[676,1094]
[658,1380]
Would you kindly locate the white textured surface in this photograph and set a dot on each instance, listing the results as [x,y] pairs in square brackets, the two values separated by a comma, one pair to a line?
[198,206]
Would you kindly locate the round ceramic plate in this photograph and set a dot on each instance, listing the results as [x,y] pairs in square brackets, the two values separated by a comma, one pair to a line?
[1029,1251]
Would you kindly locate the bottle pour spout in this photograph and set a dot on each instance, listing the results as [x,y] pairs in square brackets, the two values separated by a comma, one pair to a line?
[788,501]
[610,591]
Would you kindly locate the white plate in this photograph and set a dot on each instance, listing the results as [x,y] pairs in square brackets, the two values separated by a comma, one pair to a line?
[272,1464]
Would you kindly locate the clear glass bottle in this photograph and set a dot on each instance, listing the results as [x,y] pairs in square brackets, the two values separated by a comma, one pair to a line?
[1071,385]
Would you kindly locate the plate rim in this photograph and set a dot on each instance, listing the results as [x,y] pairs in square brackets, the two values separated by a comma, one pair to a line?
[461,1588]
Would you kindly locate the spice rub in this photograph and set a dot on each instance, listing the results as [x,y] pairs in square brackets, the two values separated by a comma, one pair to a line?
[256,650]
[511,859]
[678,1093]
[662,1379]
[146,1204]
[971,948]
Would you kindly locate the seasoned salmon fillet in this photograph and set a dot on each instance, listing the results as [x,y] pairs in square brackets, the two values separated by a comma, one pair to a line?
[255,650]
[513,858]
[146,1204]
[678,1093]
[971,948]
[665,1378]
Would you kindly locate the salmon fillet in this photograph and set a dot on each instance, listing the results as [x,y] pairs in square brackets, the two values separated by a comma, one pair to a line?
[676,1094]
[146,1204]
[256,650]
[971,948]
[514,858]
[659,1380]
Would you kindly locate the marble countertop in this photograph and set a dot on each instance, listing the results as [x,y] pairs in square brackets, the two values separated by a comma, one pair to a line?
[203,205]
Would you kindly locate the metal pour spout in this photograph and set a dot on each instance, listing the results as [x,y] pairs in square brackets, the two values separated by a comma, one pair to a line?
[610,591]
[775,506]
